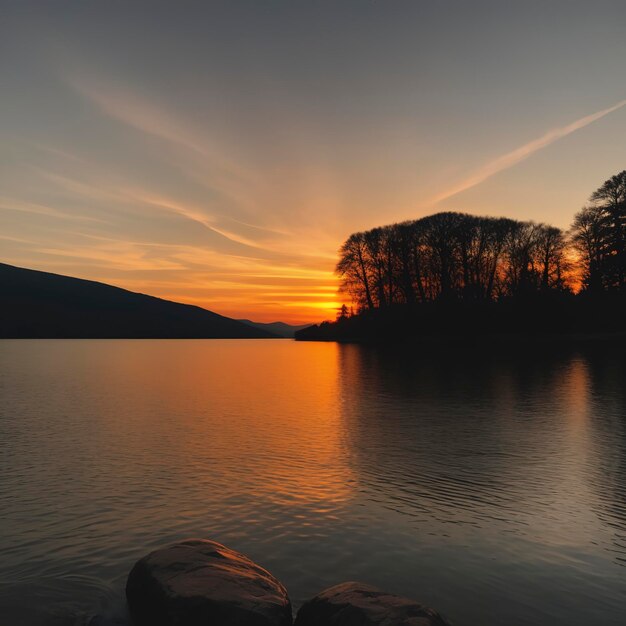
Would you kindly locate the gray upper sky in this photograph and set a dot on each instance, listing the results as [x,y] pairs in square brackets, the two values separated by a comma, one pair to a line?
[219,152]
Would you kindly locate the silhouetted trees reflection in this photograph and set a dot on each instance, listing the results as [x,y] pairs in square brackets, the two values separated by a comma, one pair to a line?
[518,430]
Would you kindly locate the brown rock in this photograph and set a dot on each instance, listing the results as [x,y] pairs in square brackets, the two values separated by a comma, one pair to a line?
[202,583]
[357,604]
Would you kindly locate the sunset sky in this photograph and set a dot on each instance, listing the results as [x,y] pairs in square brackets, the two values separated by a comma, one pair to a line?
[218,153]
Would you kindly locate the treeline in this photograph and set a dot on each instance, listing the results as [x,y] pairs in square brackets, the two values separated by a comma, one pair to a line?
[456,256]
[451,256]
[598,235]
[454,272]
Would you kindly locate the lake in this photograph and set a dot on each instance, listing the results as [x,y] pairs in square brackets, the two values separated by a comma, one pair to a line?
[491,486]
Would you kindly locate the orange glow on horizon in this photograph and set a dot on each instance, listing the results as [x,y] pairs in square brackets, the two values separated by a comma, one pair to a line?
[283,299]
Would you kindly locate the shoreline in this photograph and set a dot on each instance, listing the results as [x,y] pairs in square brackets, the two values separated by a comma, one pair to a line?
[493,339]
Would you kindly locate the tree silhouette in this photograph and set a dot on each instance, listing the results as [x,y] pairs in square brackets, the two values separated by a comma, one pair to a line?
[589,240]
[464,274]
[598,234]
[610,199]
[451,257]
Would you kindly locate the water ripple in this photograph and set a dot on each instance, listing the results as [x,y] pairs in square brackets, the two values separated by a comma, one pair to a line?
[493,488]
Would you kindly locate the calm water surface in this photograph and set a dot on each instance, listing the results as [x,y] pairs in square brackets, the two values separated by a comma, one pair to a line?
[491,488]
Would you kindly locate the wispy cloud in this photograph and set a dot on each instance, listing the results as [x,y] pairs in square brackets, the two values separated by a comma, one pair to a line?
[131,109]
[194,215]
[523,152]
[41,209]
[135,112]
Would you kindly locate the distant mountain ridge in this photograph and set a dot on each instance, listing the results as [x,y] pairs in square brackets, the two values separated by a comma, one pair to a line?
[36,304]
[281,329]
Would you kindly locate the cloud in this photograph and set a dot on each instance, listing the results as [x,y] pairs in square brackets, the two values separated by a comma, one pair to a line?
[42,209]
[523,152]
[194,215]
[130,108]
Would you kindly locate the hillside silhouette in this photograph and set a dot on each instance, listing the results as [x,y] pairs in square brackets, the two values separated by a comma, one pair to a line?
[42,305]
[281,329]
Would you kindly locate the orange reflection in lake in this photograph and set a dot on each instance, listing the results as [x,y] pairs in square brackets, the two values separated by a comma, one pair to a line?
[215,405]
[490,480]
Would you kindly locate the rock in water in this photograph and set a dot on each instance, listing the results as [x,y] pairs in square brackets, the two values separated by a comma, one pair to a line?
[202,583]
[357,604]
